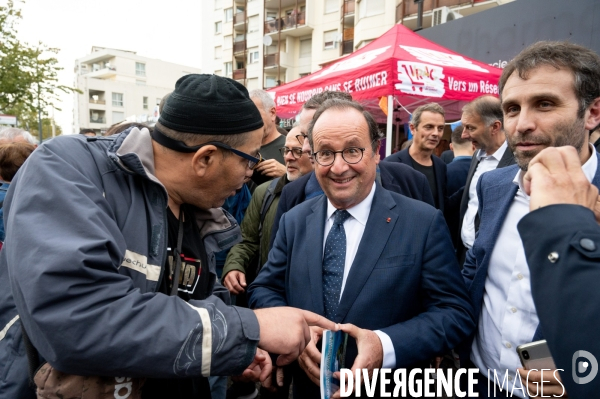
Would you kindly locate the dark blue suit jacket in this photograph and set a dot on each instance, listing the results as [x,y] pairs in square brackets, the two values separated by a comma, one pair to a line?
[456,176]
[395,177]
[439,168]
[565,293]
[404,281]
[496,192]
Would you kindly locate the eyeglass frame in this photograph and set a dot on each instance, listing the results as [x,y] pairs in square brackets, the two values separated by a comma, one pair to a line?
[284,153]
[304,137]
[362,155]
[227,147]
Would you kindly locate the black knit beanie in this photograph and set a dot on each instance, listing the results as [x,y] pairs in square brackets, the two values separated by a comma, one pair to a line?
[210,104]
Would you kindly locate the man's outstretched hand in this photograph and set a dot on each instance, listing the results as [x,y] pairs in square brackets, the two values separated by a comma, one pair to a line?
[285,331]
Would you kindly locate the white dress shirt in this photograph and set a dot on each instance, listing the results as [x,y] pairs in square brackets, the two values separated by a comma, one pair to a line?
[486,163]
[508,315]
[354,228]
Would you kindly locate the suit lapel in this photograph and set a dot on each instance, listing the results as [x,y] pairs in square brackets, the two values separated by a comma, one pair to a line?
[507,159]
[375,237]
[315,226]
[464,201]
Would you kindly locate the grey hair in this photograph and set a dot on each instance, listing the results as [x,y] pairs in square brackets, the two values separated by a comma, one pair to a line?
[488,108]
[264,97]
[11,133]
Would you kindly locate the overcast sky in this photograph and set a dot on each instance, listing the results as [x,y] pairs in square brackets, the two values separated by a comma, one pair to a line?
[167,30]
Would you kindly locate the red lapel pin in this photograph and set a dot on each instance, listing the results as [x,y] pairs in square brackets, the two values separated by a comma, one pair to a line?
[388,220]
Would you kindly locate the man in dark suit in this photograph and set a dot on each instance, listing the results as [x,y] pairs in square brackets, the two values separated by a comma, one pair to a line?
[395,177]
[483,125]
[549,99]
[364,255]
[427,127]
[456,176]
[561,237]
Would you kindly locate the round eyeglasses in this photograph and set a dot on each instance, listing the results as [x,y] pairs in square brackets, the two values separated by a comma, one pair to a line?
[351,155]
[301,137]
[296,152]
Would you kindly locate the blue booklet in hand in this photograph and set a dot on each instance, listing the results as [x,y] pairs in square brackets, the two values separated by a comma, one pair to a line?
[333,353]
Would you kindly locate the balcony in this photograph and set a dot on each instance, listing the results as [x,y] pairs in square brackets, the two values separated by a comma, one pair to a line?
[239,18]
[271,61]
[239,47]
[347,47]
[97,117]
[409,8]
[239,74]
[101,102]
[104,73]
[348,7]
[292,25]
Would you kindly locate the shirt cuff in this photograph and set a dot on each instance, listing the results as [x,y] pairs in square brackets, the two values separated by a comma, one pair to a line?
[389,354]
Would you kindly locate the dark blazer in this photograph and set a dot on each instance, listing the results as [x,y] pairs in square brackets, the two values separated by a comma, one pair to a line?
[404,280]
[565,293]
[395,177]
[456,176]
[496,192]
[447,156]
[506,160]
[439,168]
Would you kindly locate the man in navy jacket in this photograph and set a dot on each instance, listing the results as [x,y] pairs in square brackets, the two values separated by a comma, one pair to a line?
[427,126]
[398,282]
[549,95]
[561,237]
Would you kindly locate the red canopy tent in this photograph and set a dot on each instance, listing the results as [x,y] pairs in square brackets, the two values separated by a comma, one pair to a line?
[402,67]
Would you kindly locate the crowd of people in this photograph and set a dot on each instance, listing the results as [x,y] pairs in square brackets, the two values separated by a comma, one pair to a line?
[156,262]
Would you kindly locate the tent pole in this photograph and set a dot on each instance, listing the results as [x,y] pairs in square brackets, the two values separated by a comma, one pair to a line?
[390,118]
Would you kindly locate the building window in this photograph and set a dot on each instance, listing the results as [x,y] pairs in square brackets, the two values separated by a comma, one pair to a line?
[271,81]
[145,102]
[218,4]
[253,57]
[140,69]
[217,27]
[218,52]
[368,8]
[305,48]
[329,39]
[331,6]
[227,42]
[253,24]
[228,69]
[117,99]
[228,14]
[118,116]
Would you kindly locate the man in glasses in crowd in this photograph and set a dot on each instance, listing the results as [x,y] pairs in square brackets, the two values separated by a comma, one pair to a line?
[246,258]
[393,176]
[364,255]
[110,254]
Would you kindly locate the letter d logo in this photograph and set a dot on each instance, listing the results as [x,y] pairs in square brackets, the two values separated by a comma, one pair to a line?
[581,367]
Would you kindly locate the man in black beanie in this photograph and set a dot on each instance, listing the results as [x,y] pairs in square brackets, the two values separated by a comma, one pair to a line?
[120,284]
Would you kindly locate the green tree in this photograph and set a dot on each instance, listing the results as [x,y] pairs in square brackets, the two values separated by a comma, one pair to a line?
[28,74]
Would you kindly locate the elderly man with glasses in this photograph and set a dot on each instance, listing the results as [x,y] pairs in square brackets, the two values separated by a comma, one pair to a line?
[365,256]
[110,256]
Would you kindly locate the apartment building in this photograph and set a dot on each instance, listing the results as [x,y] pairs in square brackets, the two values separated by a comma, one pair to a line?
[120,85]
[264,43]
